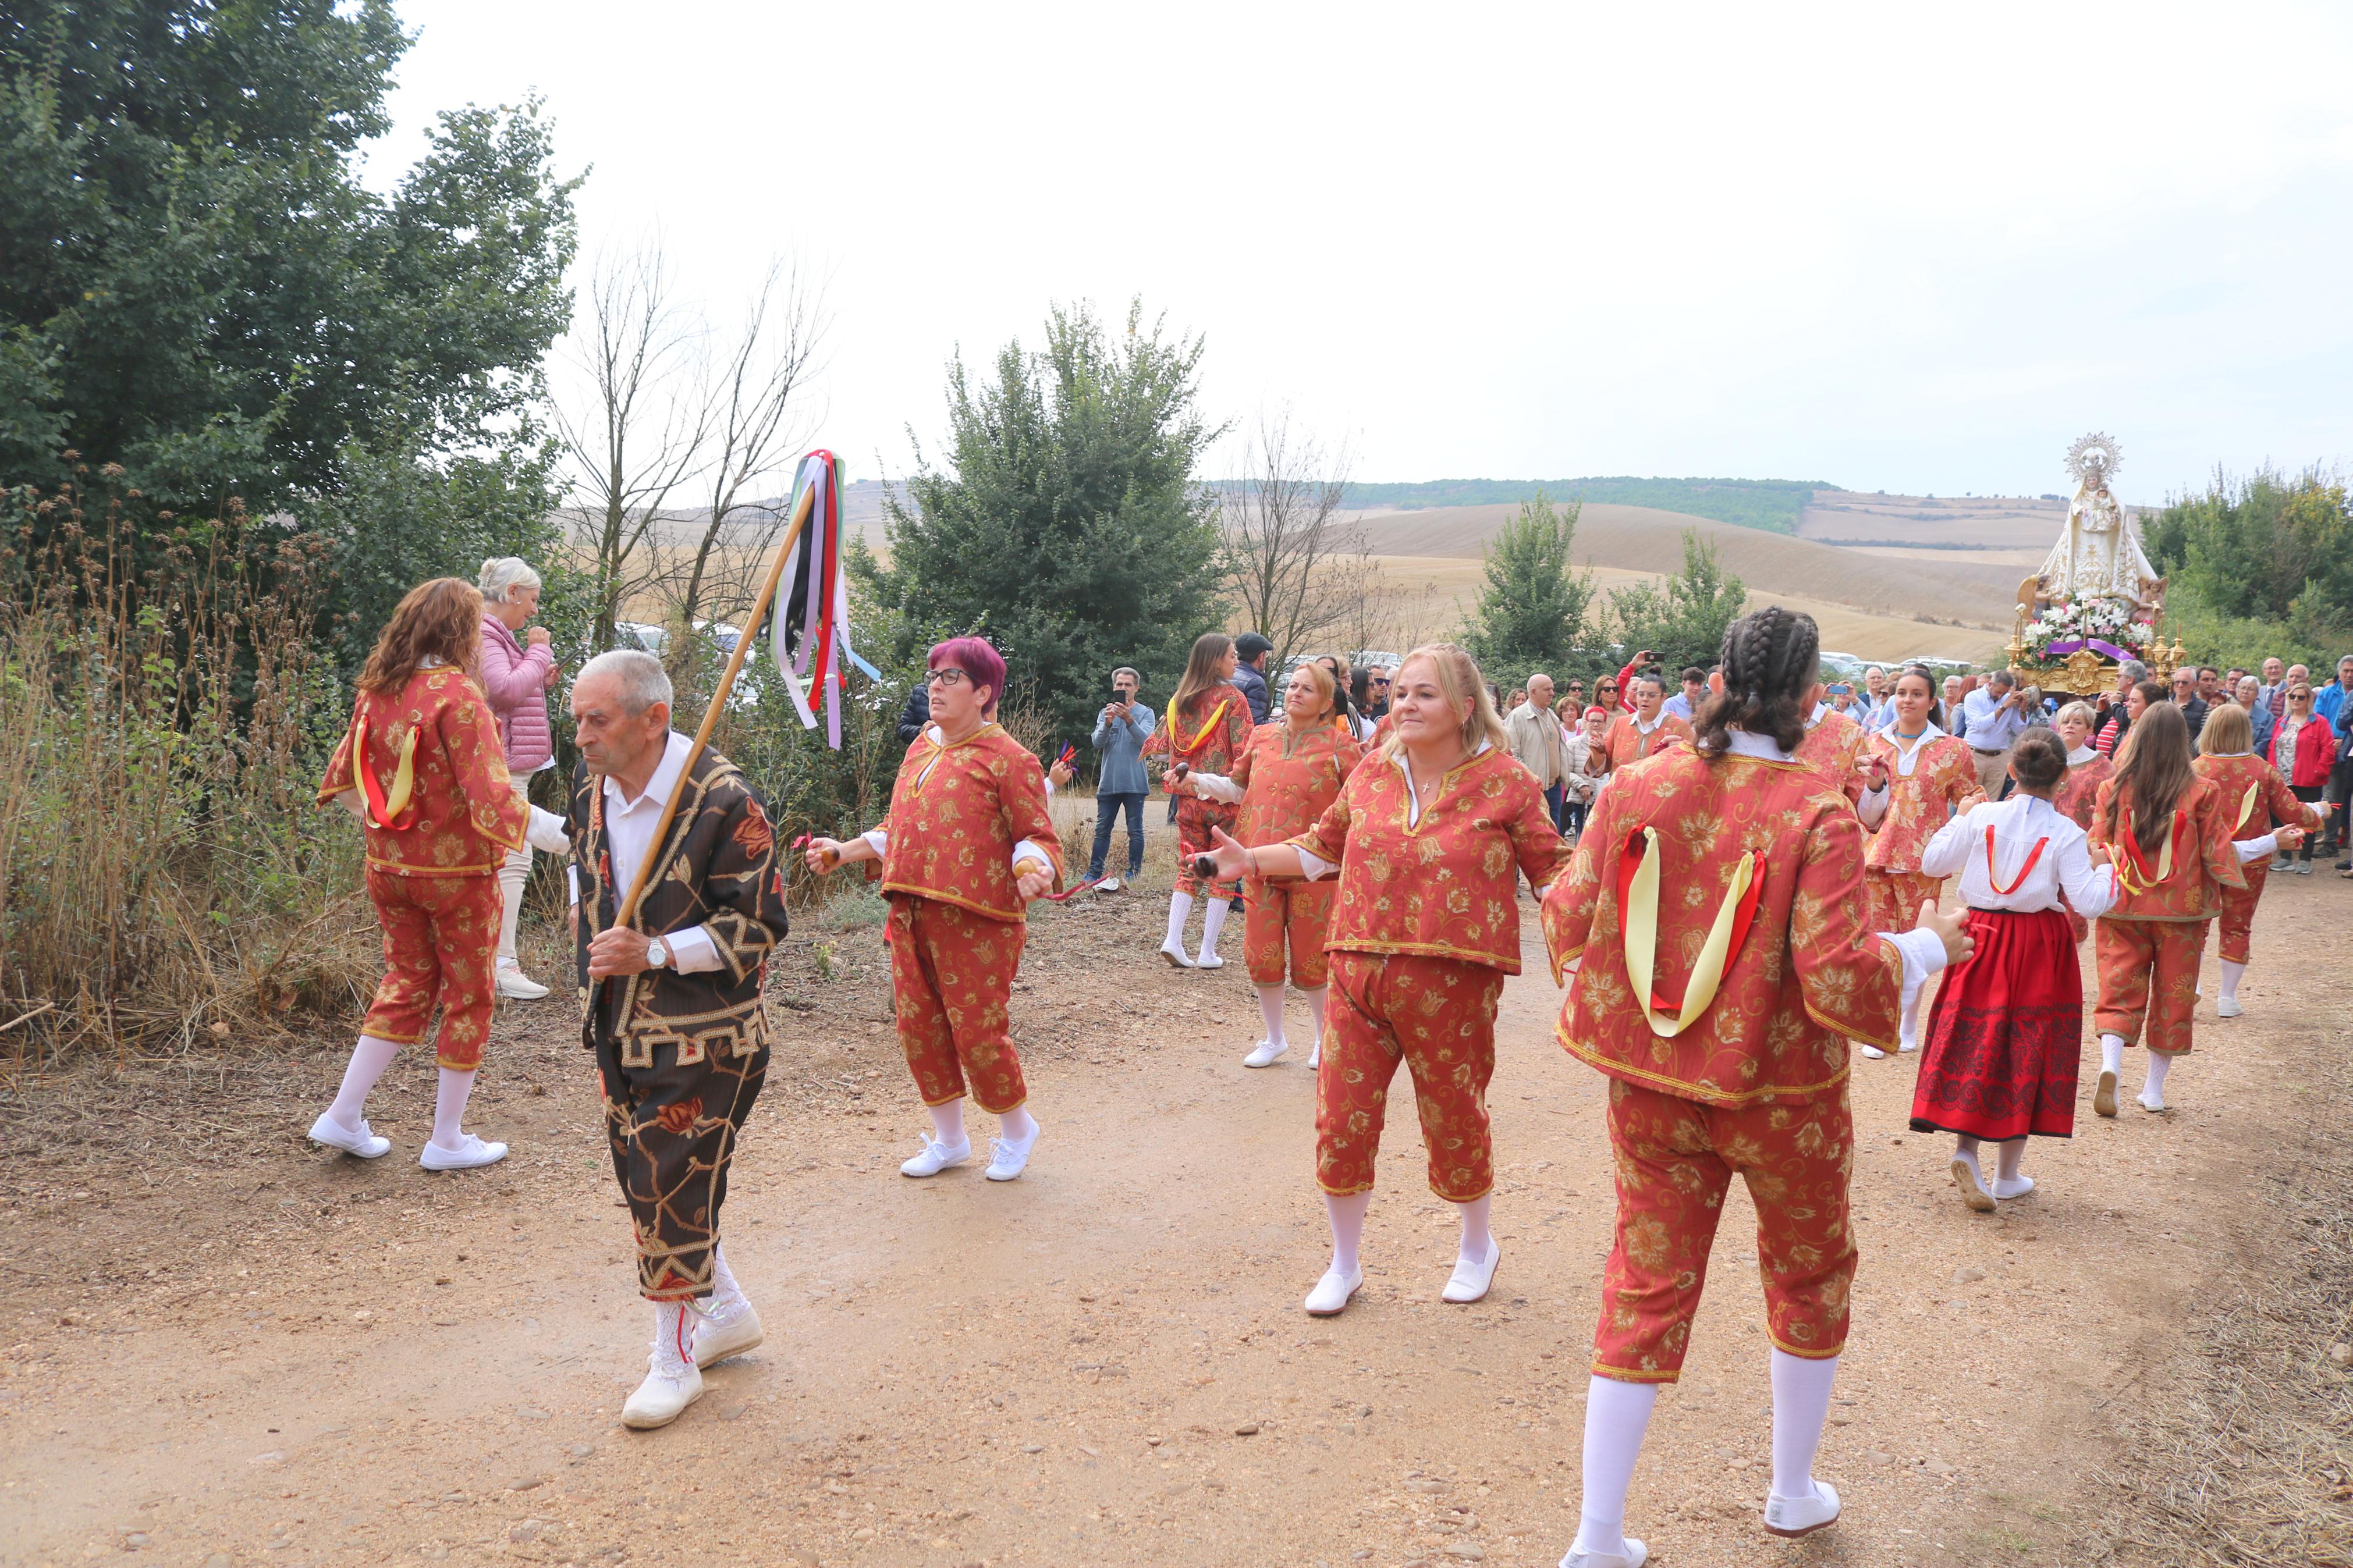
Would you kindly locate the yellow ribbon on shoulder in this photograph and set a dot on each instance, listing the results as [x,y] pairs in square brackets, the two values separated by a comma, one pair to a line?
[404,777]
[2125,863]
[1642,939]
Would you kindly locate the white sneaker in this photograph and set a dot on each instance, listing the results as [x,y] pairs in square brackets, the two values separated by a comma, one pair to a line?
[1332,1292]
[514,983]
[1790,1518]
[2227,1008]
[1209,959]
[1871,1053]
[663,1397]
[936,1157]
[2156,1107]
[1007,1158]
[1108,885]
[1906,1043]
[2008,1187]
[1315,1057]
[469,1152]
[717,1339]
[1634,1556]
[361,1142]
[1470,1280]
[1173,952]
[1971,1181]
[1265,1053]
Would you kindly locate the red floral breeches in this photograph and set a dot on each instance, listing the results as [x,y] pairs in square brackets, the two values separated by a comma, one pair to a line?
[671,1128]
[440,945]
[2238,911]
[1291,914]
[951,975]
[1896,897]
[1195,817]
[2149,971]
[1675,1161]
[1438,1017]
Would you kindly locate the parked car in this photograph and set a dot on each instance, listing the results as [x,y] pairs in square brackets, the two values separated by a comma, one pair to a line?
[637,635]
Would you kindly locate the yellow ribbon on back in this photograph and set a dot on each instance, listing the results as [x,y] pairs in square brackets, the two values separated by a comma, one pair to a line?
[1642,939]
[404,778]
[2247,806]
[2124,864]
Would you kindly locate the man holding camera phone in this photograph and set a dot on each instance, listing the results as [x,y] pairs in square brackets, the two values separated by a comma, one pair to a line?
[1121,783]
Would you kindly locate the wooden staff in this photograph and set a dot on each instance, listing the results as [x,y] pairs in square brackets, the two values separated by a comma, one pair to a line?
[628,908]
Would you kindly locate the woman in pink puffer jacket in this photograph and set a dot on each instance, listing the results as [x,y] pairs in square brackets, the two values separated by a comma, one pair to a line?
[515,675]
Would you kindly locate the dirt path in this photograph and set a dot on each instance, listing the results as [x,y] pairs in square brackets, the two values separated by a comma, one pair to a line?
[223,1349]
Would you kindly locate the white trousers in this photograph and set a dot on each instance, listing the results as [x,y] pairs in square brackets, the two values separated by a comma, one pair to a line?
[513,872]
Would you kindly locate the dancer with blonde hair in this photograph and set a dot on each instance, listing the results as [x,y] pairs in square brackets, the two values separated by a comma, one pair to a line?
[1429,836]
[2255,798]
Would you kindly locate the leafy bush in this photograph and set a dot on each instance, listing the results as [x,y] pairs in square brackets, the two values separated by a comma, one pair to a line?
[2259,567]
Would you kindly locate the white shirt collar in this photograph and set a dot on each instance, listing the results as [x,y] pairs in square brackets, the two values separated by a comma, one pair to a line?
[1763,748]
[1413,800]
[1821,709]
[2080,755]
[657,788]
[1929,732]
[2220,754]
[1643,729]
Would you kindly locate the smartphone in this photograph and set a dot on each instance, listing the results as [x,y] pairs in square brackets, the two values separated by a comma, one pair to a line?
[1841,691]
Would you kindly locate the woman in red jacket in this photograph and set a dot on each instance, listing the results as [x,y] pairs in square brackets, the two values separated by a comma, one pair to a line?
[2302,751]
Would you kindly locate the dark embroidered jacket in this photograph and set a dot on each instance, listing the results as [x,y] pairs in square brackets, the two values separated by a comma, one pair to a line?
[716,868]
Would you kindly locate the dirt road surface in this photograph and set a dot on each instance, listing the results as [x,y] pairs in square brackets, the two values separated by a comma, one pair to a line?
[222,1347]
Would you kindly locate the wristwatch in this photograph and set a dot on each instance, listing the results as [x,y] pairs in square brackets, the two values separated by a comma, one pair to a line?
[657,954]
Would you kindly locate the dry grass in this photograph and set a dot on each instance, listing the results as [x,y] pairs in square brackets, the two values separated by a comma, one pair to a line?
[2252,1463]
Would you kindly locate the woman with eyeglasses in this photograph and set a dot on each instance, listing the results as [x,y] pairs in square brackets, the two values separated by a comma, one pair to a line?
[969,843]
[2303,751]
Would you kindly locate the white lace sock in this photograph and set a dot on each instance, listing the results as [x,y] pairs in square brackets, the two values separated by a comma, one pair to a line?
[727,1296]
[369,1059]
[1213,921]
[1801,1404]
[1315,1000]
[2231,974]
[2112,1053]
[2008,1154]
[1180,909]
[449,1107]
[673,1345]
[1476,1238]
[947,1122]
[1270,1007]
[1616,1415]
[1909,1038]
[2152,1092]
[1347,1217]
[1016,1125]
[514,871]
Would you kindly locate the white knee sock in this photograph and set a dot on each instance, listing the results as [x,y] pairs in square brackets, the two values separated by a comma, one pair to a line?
[1180,909]
[947,1124]
[1910,1037]
[369,1059]
[1016,1125]
[2112,1053]
[1616,1415]
[2231,974]
[1801,1404]
[674,1344]
[2008,1153]
[1476,1238]
[1347,1217]
[2152,1092]
[726,1296]
[449,1107]
[1269,1007]
[1315,999]
[1213,921]
[1965,1143]
[513,872]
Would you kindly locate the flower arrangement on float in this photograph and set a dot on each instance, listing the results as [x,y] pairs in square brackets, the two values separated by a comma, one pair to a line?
[2109,628]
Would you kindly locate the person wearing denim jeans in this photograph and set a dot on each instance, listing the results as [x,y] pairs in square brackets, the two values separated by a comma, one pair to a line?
[1121,783]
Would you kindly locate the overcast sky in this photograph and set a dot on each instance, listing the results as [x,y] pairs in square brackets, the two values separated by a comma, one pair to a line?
[1911,248]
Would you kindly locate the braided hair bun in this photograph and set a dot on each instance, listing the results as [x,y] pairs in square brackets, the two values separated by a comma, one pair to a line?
[1769,660]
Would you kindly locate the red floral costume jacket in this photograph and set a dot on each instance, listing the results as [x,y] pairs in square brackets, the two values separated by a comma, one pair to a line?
[956,811]
[2254,796]
[1943,784]
[2180,875]
[1210,736]
[1624,743]
[1289,781]
[1840,751]
[2079,790]
[1808,974]
[458,816]
[1447,884]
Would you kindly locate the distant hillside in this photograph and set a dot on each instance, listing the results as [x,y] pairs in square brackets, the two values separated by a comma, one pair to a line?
[1772,504]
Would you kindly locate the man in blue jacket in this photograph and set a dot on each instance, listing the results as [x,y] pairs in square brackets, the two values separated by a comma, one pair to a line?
[1251,649]
[1121,783]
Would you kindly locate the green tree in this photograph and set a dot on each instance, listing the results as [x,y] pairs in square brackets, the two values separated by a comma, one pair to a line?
[2263,560]
[1065,526]
[195,284]
[1682,617]
[1531,615]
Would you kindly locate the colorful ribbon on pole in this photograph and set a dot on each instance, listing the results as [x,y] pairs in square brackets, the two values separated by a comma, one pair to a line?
[810,629]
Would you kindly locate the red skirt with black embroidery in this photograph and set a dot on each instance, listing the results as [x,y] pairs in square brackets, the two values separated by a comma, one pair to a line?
[1999,1057]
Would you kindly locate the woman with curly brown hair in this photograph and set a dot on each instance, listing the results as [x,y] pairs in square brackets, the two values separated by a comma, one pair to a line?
[422,767]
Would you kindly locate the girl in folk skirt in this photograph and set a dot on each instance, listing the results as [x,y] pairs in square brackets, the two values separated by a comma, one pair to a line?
[2254,796]
[1932,777]
[2168,832]
[1284,780]
[2009,1021]
[1430,836]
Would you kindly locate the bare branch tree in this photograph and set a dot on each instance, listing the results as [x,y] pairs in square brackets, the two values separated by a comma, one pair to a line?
[756,424]
[638,428]
[1286,538]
